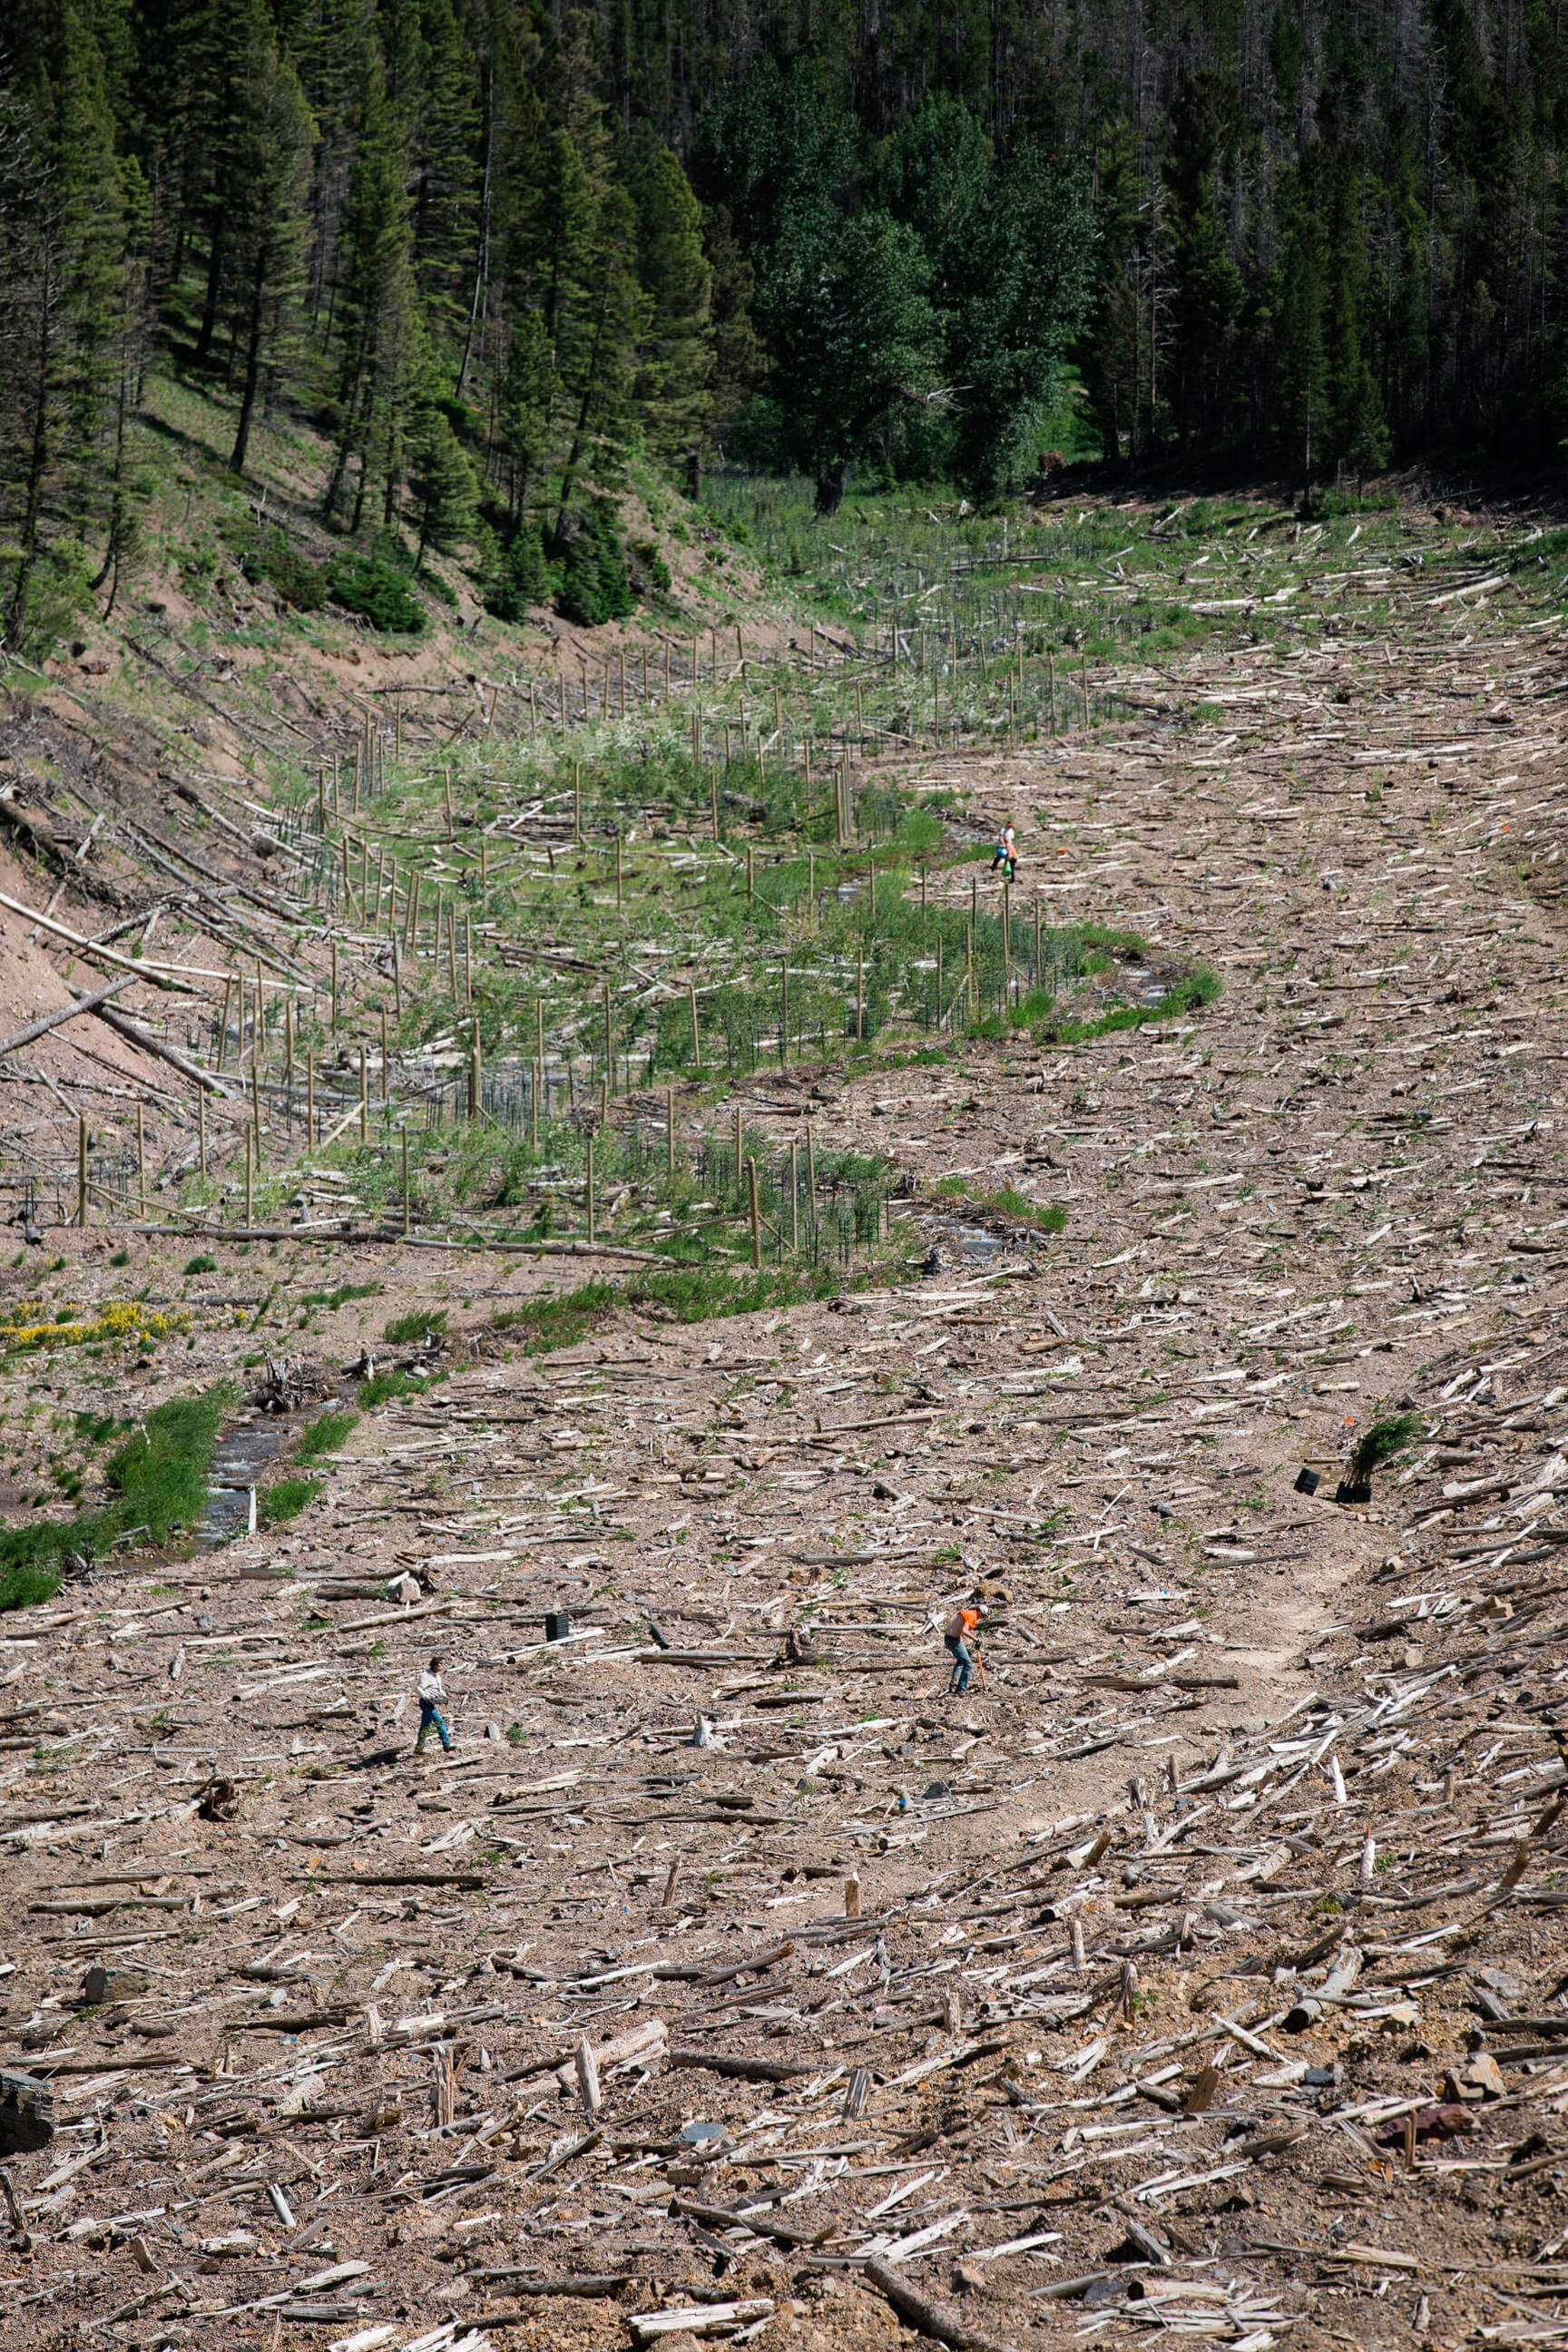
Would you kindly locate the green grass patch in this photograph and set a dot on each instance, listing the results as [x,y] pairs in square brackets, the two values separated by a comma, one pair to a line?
[285,1499]
[422,1324]
[1048,1218]
[201,1263]
[157,1482]
[325,1435]
[382,1387]
[695,1294]
[332,1299]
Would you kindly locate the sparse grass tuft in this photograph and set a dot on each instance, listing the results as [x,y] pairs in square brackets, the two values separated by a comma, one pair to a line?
[285,1499]
[325,1435]
[405,1330]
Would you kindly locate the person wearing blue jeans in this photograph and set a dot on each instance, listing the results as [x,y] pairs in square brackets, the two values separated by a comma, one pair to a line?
[432,1698]
[957,1635]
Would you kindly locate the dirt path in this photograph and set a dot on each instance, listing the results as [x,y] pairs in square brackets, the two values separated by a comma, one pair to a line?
[1065,2052]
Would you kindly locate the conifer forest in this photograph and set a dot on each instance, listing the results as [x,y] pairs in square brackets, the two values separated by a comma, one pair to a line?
[489,249]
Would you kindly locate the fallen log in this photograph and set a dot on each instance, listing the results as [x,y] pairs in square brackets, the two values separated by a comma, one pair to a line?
[163,975]
[145,1043]
[741,2070]
[63,1012]
[933,2319]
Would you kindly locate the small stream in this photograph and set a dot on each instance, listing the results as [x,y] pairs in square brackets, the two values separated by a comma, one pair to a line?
[245,1453]
[965,1241]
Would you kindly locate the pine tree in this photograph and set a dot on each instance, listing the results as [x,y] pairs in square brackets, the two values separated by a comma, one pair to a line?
[266,229]
[380,342]
[675,360]
[444,487]
[1299,359]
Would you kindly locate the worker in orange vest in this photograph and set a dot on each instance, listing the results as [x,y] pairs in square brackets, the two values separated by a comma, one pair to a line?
[958,1635]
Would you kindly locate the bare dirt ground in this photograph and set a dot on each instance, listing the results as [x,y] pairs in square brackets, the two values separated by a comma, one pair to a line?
[1202,1970]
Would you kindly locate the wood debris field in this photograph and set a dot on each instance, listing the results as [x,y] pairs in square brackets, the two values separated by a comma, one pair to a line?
[1203,1968]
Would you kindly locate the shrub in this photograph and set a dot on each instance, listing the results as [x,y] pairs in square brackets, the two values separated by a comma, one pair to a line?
[376,587]
[649,573]
[200,1265]
[301,584]
[1384,1439]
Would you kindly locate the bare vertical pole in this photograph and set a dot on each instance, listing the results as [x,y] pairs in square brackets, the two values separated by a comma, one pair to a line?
[408,1205]
[577,790]
[859,993]
[222,1021]
[309,1102]
[588,1189]
[141,1159]
[794,1196]
[534,1105]
[363,1095]
[617,869]
[289,1039]
[81,1171]
[751,1205]
[334,987]
[696,1039]
[256,1104]
[202,1128]
[784,1010]
[467,961]
[249,1177]
[385,1060]
[670,1129]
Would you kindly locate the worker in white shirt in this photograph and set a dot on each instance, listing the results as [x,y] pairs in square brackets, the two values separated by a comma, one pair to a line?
[432,1695]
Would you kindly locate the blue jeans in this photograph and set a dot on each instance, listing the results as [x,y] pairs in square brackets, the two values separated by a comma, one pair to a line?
[962,1664]
[429,1715]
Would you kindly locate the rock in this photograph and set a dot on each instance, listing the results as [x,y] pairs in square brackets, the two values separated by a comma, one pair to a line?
[105,1982]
